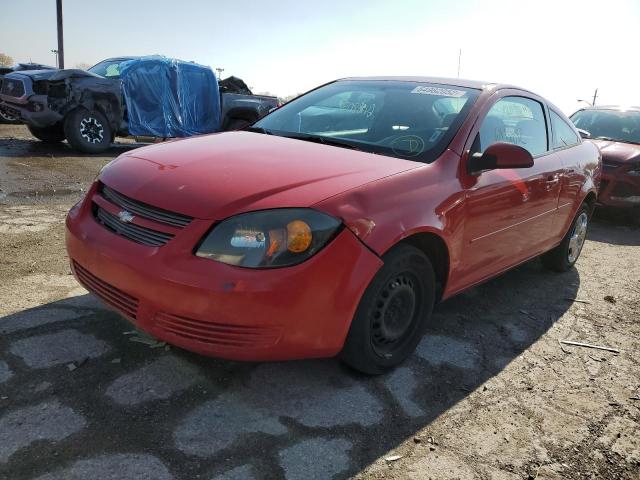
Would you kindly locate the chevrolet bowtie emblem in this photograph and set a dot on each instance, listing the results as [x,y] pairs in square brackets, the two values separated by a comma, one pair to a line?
[126,217]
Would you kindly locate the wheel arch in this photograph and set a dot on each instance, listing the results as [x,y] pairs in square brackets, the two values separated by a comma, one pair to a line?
[590,200]
[435,248]
[240,113]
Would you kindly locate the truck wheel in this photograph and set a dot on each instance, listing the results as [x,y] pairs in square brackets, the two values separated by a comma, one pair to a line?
[237,124]
[87,131]
[393,312]
[6,117]
[565,255]
[52,134]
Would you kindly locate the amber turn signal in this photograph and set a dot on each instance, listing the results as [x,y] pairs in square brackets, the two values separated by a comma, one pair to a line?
[299,236]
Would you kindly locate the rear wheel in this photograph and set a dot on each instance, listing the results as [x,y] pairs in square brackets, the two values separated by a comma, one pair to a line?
[393,312]
[565,255]
[88,131]
[52,134]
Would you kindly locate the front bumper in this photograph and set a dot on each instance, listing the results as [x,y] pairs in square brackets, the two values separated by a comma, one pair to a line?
[33,111]
[619,190]
[219,310]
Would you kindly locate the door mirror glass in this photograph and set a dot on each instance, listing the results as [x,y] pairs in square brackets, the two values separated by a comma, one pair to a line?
[500,155]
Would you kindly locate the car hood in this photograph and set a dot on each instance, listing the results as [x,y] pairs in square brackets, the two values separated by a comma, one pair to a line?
[618,152]
[215,176]
[52,75]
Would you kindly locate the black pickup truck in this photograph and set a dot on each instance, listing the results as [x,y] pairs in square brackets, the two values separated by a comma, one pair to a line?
[142,97]
[5,117]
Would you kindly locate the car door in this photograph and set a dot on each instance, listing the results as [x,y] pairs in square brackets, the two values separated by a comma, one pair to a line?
[564,140]
[509,212]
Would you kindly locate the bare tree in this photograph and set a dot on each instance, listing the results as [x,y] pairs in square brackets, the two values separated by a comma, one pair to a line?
[5,60]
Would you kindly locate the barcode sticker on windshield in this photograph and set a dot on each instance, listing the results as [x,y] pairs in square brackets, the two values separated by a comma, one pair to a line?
[443,92]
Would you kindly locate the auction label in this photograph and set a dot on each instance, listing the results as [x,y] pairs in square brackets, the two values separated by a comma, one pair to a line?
[443,92]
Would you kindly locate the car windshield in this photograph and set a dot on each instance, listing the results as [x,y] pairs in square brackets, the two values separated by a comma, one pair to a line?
[617,125]
[403,119]
[108,68]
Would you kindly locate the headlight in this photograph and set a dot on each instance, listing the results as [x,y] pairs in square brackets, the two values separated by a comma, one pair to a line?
[269,238]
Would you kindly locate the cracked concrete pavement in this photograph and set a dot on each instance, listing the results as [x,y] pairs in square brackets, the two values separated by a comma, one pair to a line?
[489,393]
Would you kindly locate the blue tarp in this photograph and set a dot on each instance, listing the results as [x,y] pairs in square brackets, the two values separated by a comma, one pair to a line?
[166,97]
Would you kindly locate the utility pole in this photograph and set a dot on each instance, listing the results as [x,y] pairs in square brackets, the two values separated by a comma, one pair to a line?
[60,51]
[459,57]
[55,52]
[219,70]
[595,95]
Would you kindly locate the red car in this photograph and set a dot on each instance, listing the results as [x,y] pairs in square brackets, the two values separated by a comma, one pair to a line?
[616,130]
[334,224]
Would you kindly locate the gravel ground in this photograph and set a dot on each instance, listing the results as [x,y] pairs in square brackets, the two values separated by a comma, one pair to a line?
[489,394]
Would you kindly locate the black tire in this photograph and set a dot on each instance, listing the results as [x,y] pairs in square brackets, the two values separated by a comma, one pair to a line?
[53,134]
[237,124]
[88,131]
[7,118]
[393,312]
[565,255]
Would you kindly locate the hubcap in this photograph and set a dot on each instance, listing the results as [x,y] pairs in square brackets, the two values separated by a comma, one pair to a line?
[394,314]
[91,130]
[578,237]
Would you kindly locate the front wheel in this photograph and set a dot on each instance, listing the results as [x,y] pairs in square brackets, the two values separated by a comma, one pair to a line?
[88,131]
[393,312]
[52,134]
[565,255]
[6,117]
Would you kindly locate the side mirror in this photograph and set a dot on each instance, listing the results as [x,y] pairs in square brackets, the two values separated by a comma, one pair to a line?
[584,134]
[500,155]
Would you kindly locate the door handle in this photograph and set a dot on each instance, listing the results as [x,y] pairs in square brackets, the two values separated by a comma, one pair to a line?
[553,179]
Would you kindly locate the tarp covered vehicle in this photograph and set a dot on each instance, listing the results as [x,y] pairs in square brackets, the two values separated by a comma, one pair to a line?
[150,96]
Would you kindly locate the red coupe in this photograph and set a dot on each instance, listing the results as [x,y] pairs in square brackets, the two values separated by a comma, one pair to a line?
[334,224]
[616,130]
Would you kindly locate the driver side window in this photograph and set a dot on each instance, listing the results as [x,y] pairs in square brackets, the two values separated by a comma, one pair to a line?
[516,120]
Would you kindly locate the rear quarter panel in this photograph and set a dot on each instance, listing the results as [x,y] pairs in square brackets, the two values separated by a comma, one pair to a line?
[583,169]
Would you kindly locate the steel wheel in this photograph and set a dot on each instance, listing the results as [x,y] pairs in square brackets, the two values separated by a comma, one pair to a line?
[394,314]
[578,236]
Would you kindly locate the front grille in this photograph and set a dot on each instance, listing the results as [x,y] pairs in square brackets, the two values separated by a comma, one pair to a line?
[126,304]
[145,210]
[12,87]
[142,235]
[218,334]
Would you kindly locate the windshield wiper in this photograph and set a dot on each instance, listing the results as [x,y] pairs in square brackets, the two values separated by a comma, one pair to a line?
[259,130]
[321,139]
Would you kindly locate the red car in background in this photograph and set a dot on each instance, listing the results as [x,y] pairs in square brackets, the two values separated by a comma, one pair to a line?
[332,225]
[616,131]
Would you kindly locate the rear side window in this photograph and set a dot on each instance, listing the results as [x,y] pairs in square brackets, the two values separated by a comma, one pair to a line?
[516,120]
[563,134]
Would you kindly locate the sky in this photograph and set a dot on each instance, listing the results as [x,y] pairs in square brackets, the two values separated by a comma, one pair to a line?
[560,49]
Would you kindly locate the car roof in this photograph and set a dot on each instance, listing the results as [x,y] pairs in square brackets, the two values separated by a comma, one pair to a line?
[458,82]
[118,59]
[619,108]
